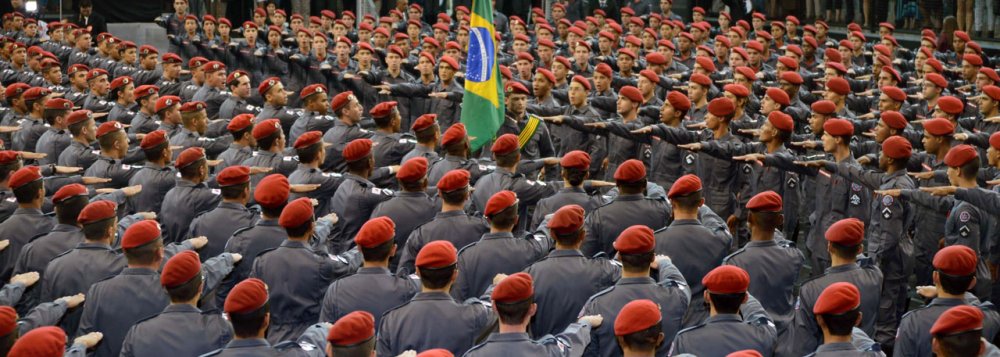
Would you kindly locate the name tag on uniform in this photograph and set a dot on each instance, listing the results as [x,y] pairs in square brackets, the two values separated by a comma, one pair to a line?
[11,199]
[95,152]
[216,191]
[126,167]
[287,158]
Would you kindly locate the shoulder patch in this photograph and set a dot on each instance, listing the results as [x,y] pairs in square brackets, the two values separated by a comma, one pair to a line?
[965,216]
[216,191]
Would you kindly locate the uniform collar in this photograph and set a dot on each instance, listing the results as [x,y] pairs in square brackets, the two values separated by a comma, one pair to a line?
[374,270]
[447,214]
[572,189]
[632,281]
[247,343]
[843,268]
[723,318]
[293,244]
[763,243]
[434,295]
[509,337]
[836,346]
[939,301]
[559,253]
[498,235]
[60,227]
[31,211]
[630,197]
[139,271]
[180,308]
[232,205]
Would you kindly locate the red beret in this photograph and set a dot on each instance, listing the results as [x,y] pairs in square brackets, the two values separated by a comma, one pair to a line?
[68,191]
[745,353]
[516,87]
[513,288]
[939,127]
[575,159]
[838,85]
[180,269]
[382,110]
[453,180]
[701,79]
[319,88]
[272,191]
[825,107]
[34,93]
[352,329]
[267,84]
[308,138]
[412,170]
[172,58]
[957,260]
[755,45]
[451,62]
[499,202]
[656,58]
[837,299]
[437,254]
[58,103]
[189,156]
[551,77]
[583,81]
[166,101]
[97,211]
[240,122]
[153,139]
[631,170]
[897,147]
[357,149]
[721,107]
[636,239]
[139,234]
[685,185]
[567,219]
[781,121]
[340,100]
[705,63]
[838,127]
[779,96]
[424,121]
[604,69]
[233,175]
[839,67]
[48,341]
[108,128]
[726,279]
[505,144]
[95,73]
[121,82]
[742,53]
[454,134]
[144,91]
[894,93]
[767,201]
[679,101]
[960,155]
[995,140]
[375,232]
[956,320]
[950,105]
[847,232]
[247,296]
[24,176]
[213,66]
[8,320]
[991,73]
[76,68]
[15,90]
[266,128]
[192,106]
[637,315]
[792,77]
[296,213]
[631,93]
[992,91]
[962,35]
[9,156]
[937,79]
[894,119]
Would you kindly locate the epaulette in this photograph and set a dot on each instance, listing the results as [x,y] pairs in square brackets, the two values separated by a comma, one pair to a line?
[733,254]
[265,251]
[683,330]
[785,243]
[291,345]
[213,353]
[467,247]
[244,229]
[36,237]
[147,318]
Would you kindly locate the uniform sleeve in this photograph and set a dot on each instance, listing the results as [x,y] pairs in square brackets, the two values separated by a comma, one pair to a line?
[383,342]
[674,135]
[45,314]
[344,264]
[315,335]
[127,343]
[906,336]
[77,350]
[939,204]
[754,314]
[670,274]
[870,178]
[530,192]
[621,130]
[803,334]
[11,293]
[215,269]
[408,255]
[571,342]
[986,200]
[591,245]
[328,308]
[786,162]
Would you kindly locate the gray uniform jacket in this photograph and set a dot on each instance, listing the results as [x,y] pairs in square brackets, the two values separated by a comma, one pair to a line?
[432,320]
[447,163]
[78,155]
[328,183]
[728,333]
[182,203]
[309,121]
[695,251]
[605,223]
[52,143]
[774,268]
[496,253]
[456,227]
[295,299]
[156,181]
[200,332]
[285,115]
[233,156]
[37,254]
[219,224]
[913,338]
[389,149]
[720,177]
[310,344]
[570,342]
[565,196]
[373,289]
[23,225]
[563,281]
[354,202]
[670,291]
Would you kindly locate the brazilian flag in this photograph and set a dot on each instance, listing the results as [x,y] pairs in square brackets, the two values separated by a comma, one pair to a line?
[482,105]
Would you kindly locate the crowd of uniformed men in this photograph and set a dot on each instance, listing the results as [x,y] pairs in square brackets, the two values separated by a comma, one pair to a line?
[659,186]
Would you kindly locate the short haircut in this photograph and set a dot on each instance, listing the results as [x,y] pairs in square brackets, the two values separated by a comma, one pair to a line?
[188,117]
[634,263]
[69,209]
[955,284]
[155,153]
[575,176]
[238,134]
[508,159]
[456,148]
[841,324]
[386,120]
[107,141]
[300,230]
[186,291]
[727,303]
[28,192]
[378,253]
[426,135]
[436,278]
[6,170]
[235,191]
[689,201]
[267,142]
[645,340]
[50,115]
[191,170]
[145,254]
[273,211]
[309,153]
[76,128]
[455,197]
[414,186]
[248,324]
[846,251]
[631,188]
[506,218]
[569,239]
[961,344]
[359,165]
[97,230]
[363,349]
[765,220]
[970,169]
[514,313]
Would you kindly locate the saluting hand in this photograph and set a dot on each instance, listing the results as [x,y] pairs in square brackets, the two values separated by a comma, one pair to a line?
[90,180]
[692,146]
[940,190]
[237,257]
[67,169]
[303,188]
[132,190]
[254,170]
[925,175]
[26,279]
[895,192]
[73,300]
[89,340]
[198,242]
[4,244]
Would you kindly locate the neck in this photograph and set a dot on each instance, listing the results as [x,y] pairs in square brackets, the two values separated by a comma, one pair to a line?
[685,214]
[114,154]
[828,338]
[275,149]
[721,131]
[942,151]
[633,353]
[967,183]
[520,328]
[773,145]
[37,204]
[495,229]
[153,266]
[842,152]
[838,261]
[362,174]
[313,165]
[641,274]
[446,289]
[379,264]
[757,234]
[630,116]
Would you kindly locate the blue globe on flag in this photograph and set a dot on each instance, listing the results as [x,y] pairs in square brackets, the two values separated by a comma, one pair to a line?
[479,64]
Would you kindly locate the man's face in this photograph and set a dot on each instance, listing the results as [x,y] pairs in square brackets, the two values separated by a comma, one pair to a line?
[754,56]
[625,62]
[446,73]
[148,62]
[767,132]
[560,70]
[251,34]
[882,131]
[242,88]
[517,102]
[577,94]
[19,56]
[646,86]
[987,105]
[968,70]
[582,56]
[91,131]
[982,81]
[604,44]
[736,60]
[393,61]
[353,110]
[768,105]
[319,45]
[224,29]
[54,75]
[201,123]
[519,46]
[424,65]
[100,85]
[79,79]
[625,105]
[381,40]
[886,79]
[665,6]
[829,143]
[734,37]
[992,156]
[190,26]
[816,122]
[278,96]
[931,90]
[180,6]
[541,85]
[696,92]
[128,56]
[931,143]
[886,103]
[602,82]
[274,38]
[364,57]
[953,176]
[545,54]
[558,13]
[684,43]
[150,105]
[127,93]
[216,79]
